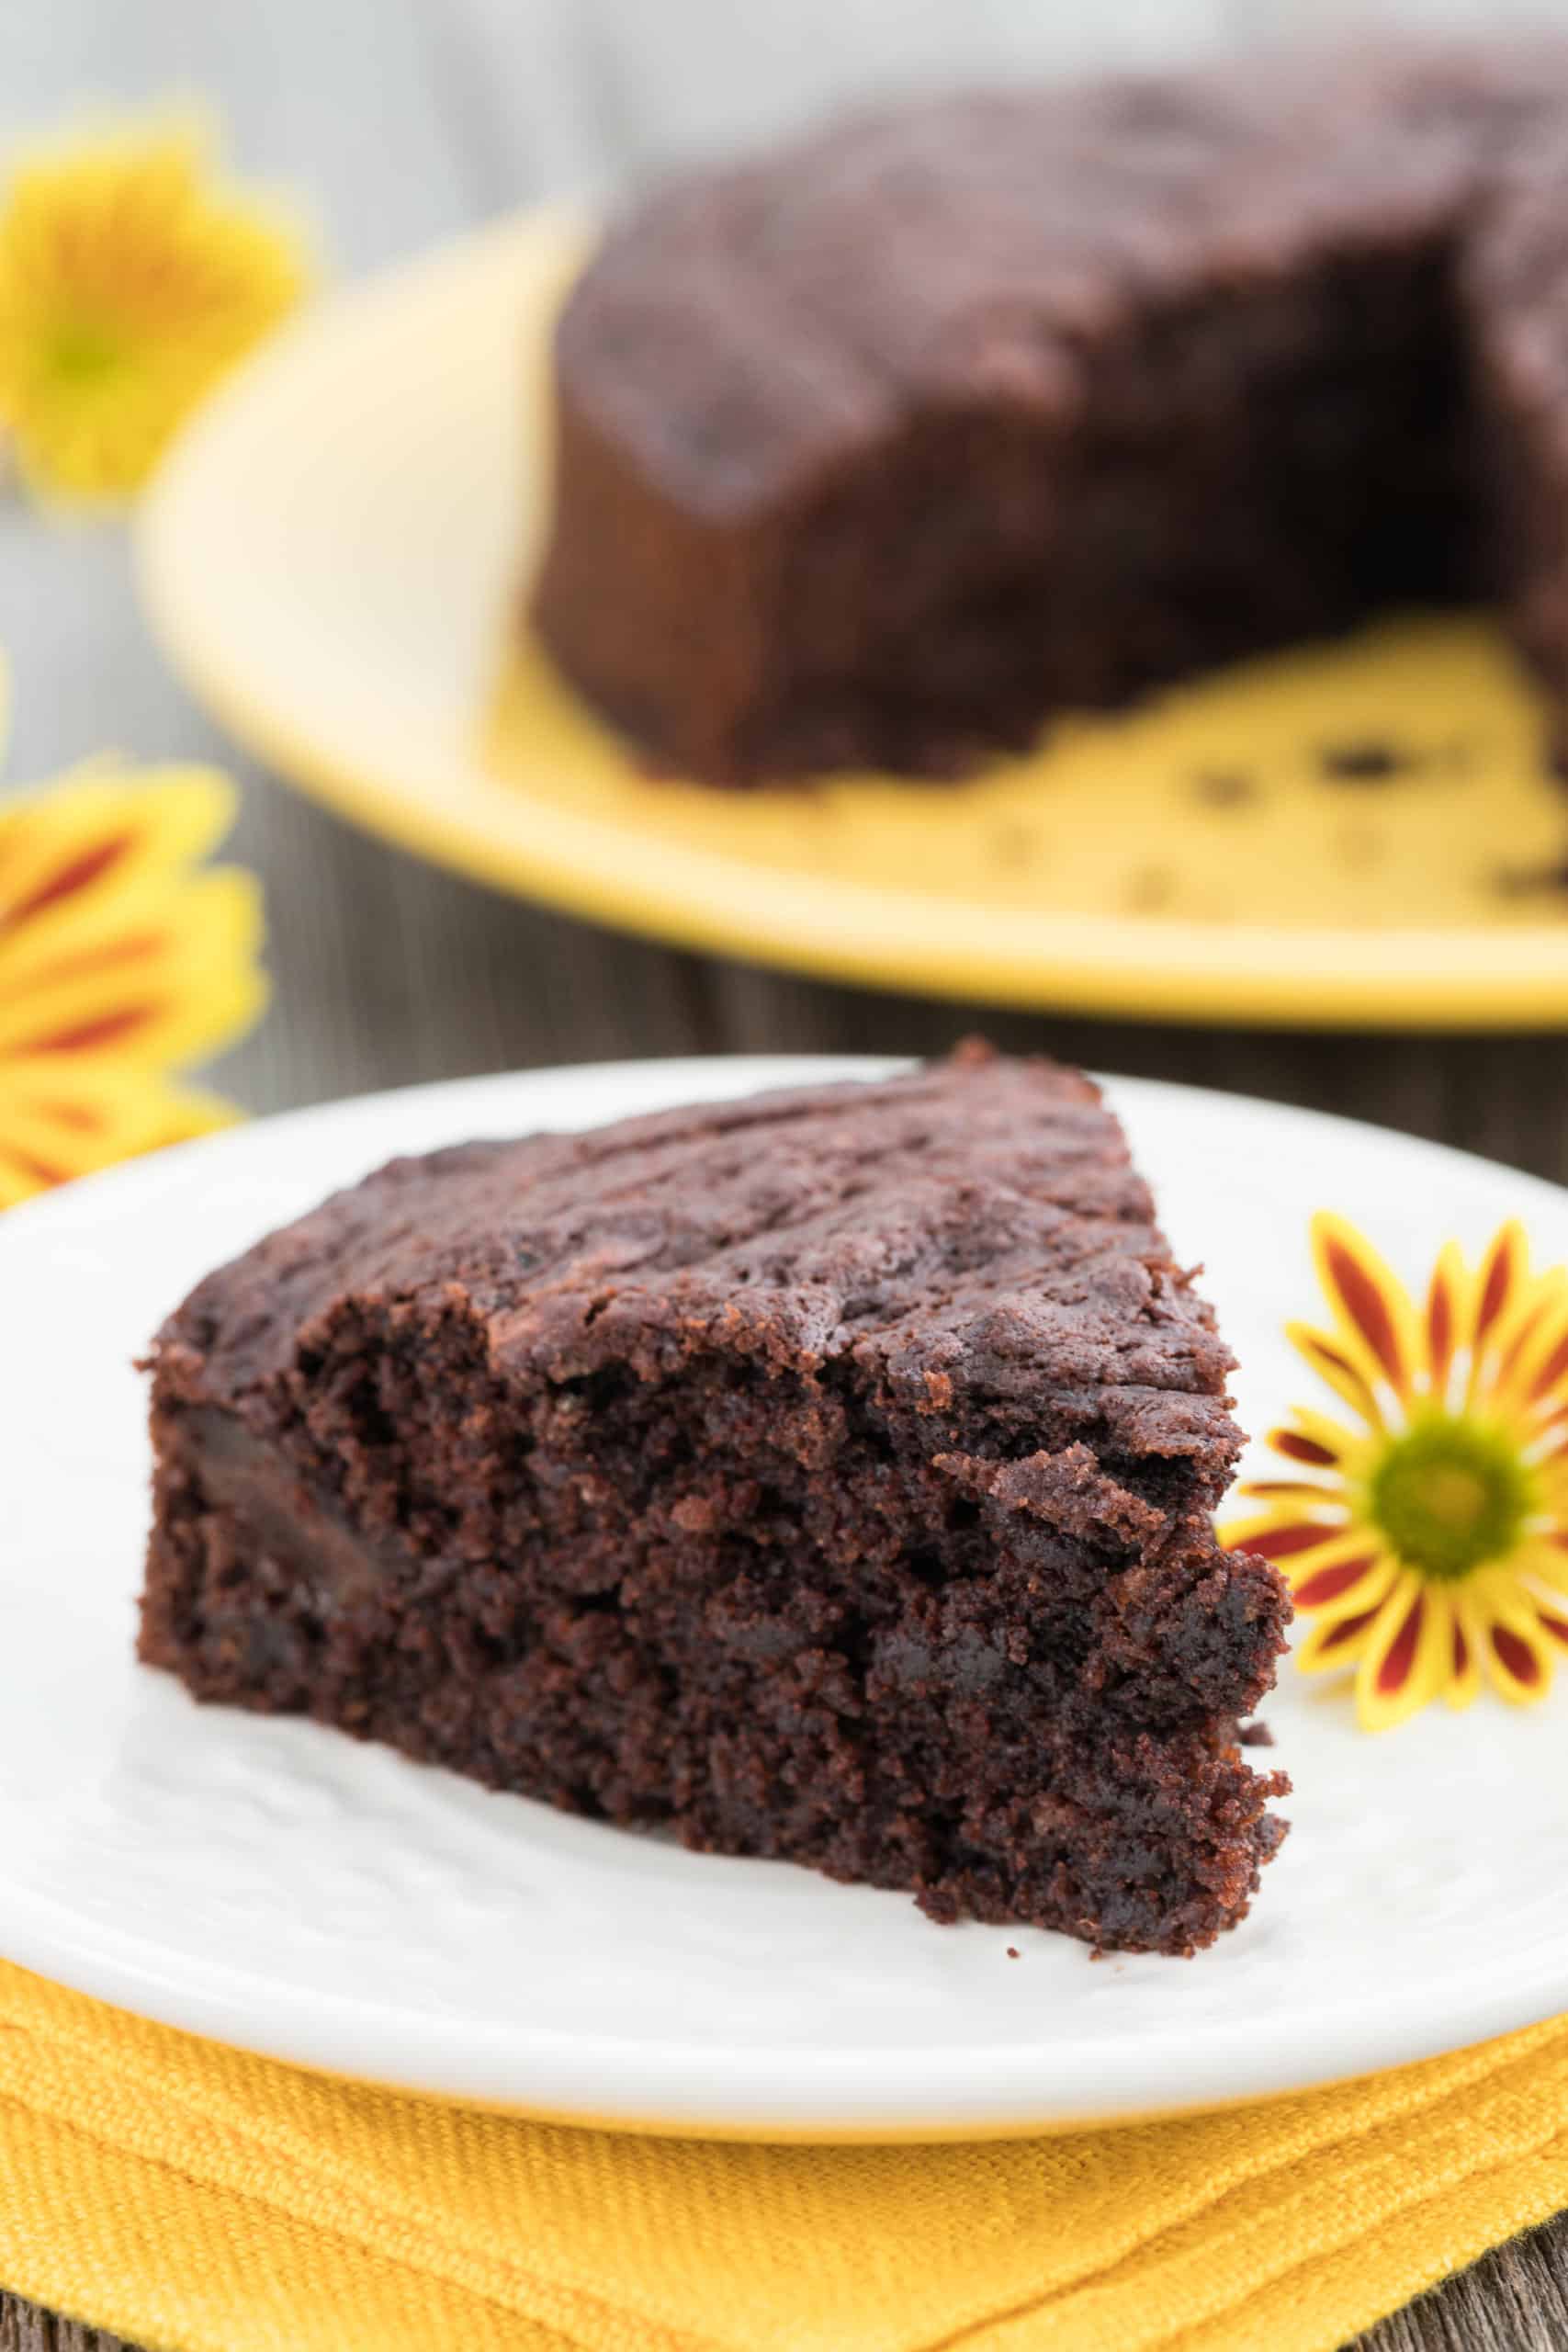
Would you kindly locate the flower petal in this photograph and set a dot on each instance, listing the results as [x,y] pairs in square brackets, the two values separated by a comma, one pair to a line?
[1523,1370]
[167,990]
[1499,1283]
[1515,1655]
[1549,1370]
[1464,1671]
[1550,1444]
[1273,1538]
[88,838]
[1511,1379]
[1303,1490]
[1348,1547]
[1555,1624]
[60,1119]
[1407,1656]
[1545,1558]
[1370,1305]
[1330,1642]
[1317,1442]
[1345,1587]
[1447,1315]
[1297,1447]
[1336,1365]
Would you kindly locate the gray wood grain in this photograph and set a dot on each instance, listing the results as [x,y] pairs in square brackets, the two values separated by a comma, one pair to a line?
[401,122]
[1513,2301]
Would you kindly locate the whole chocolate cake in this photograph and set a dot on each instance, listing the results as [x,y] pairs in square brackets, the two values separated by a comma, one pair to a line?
[825,1475]
[885,448]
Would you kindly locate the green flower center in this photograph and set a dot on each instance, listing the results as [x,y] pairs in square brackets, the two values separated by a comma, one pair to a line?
[1450,1494]
[82,354]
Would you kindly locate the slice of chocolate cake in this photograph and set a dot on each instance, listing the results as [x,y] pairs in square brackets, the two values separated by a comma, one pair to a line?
[826,1475]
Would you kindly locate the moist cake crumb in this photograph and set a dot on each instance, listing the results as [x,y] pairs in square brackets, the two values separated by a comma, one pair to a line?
[826,1476]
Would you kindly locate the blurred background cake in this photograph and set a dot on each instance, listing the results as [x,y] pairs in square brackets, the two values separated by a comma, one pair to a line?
[883,450]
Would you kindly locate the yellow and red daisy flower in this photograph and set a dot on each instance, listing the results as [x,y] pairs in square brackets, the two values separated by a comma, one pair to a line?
[1427,1536]
[129,282]
[121,963]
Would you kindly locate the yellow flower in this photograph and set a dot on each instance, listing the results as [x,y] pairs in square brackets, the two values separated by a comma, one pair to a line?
[1427,1540]
[119,964]
[127,284]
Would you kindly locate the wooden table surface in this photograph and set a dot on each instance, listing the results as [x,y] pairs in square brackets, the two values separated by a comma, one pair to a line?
[401,120]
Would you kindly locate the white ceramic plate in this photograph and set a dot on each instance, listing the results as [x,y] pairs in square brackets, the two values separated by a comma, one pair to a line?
[278,1886]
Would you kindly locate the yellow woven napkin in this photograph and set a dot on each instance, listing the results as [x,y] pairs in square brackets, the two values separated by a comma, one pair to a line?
[196,2200]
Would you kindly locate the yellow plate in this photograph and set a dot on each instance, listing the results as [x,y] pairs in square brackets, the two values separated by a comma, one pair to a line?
[335,554]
